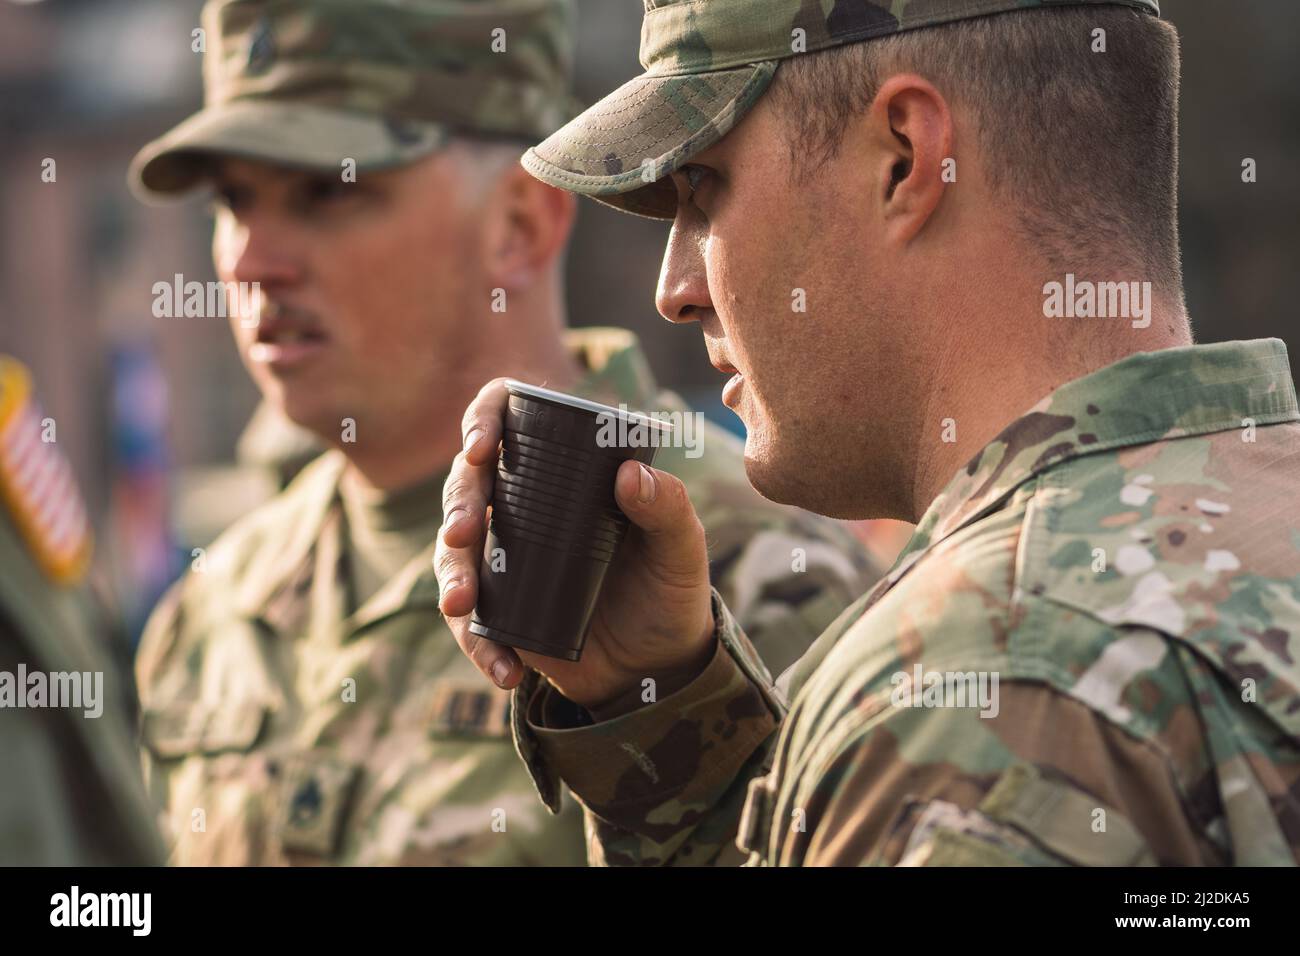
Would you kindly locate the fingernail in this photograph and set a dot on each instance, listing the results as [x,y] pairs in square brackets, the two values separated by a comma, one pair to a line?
[472,438]
[646,489]
[501,671]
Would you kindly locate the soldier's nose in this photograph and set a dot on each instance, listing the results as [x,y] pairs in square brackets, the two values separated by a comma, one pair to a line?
[683,291]
[253,251]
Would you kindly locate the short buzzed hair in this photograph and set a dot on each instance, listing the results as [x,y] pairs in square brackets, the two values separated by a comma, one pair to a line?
[1082,144]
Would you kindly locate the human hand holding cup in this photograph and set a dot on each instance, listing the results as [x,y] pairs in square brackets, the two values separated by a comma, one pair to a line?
[543,572]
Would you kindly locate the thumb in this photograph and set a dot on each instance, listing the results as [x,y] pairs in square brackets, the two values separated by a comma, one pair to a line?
[657,503]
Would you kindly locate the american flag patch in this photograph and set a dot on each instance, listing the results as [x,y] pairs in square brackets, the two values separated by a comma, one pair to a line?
[36,483]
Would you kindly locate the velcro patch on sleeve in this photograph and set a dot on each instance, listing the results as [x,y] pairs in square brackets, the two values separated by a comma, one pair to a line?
[459,708]
[1064,820]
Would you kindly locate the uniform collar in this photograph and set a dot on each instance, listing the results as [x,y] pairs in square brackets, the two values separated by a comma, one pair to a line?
[413,588]
[272,583]
[1144,398]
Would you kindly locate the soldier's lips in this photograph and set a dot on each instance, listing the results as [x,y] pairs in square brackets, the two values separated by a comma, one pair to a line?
[287,352]
[731,391]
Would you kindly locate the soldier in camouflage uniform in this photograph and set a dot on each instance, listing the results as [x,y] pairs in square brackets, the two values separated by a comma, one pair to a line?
[303,699]
[71,792]
[1086,655]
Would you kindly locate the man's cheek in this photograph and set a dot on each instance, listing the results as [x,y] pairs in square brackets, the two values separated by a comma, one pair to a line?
[242,331]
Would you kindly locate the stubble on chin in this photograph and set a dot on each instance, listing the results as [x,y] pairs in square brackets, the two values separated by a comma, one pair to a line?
[804,475]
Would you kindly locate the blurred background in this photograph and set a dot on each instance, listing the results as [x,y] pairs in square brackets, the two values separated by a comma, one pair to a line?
[149,411]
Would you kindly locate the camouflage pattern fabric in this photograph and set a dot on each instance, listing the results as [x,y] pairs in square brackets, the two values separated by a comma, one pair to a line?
[71,793]
[310,83]
[707,62]
[207,499]
[278,728]
[1124,558]
[270,442]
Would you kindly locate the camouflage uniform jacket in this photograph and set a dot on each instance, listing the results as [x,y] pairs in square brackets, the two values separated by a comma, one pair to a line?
[280,729]
[1124,559]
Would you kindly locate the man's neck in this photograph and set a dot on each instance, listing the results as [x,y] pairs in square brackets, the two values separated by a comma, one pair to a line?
[984,389]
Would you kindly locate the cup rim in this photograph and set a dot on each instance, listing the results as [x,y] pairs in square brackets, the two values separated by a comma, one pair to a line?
[515,387]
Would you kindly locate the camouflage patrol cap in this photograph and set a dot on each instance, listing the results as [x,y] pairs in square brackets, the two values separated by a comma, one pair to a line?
[707,62]
[309,83]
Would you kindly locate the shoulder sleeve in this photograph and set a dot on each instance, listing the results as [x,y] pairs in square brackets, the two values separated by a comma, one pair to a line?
[38,824]
[160,640]
[68,798]
[156,661]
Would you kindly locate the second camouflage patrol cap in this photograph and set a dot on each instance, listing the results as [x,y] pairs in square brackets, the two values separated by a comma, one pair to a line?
[706,63]
[310,83]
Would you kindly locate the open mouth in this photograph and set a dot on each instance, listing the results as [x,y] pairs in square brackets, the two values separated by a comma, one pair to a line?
[285,340]
[289,337]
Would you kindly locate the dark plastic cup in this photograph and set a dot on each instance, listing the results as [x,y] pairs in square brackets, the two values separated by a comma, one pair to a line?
[555,526]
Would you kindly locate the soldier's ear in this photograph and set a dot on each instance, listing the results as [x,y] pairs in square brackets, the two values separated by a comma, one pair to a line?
[909,138]
[531,223]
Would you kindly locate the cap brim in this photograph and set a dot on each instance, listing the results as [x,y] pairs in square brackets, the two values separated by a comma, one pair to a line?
[621,150]
[291,134]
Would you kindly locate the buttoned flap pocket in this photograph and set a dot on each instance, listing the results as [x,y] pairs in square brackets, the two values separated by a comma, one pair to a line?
[1064,820]
[178,730]
[459,708]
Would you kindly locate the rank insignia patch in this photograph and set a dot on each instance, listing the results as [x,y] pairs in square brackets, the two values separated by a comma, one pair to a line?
[465,709]
[315,799]
[36,483]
